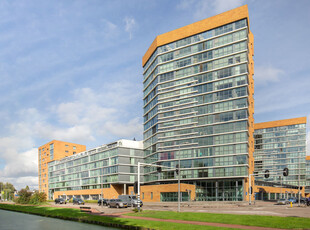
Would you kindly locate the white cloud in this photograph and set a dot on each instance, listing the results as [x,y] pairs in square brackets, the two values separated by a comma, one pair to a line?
[267,74]
[131,129]
[20,158]
[205,8]
[90,116]
[221,6]
[130,25]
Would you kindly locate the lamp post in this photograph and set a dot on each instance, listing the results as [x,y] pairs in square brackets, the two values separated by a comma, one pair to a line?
[101,193]
[298,181]
[139,164]
[179,189]
[281,178]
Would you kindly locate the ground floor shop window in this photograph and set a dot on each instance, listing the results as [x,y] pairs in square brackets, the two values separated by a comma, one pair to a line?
[173,196]
[221,190]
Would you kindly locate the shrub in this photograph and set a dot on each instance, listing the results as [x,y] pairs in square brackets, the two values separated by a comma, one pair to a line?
[137,210]
[37,198]
[24,197]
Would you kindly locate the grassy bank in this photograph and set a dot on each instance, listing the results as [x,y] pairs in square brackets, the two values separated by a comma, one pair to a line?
[77,215]
[249,220]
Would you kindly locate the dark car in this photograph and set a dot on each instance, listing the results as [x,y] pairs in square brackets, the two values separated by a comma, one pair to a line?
[117,203]
[60,201]
[103,202]
[303,200]
[78,201]
[131,200]
[295,200]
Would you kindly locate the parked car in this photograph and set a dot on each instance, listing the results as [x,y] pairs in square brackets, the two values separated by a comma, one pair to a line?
[131,200]
[117,203]
[60,201]
[283,201]
[302,200]
[78,201]
[103,202]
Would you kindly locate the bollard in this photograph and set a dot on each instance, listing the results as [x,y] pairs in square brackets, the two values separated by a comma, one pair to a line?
[291,204]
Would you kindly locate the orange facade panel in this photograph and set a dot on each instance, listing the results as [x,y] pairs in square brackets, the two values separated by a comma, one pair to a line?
[61,150]
[108,193]
[267,189]
[151,193]
[196,28]
[272,124]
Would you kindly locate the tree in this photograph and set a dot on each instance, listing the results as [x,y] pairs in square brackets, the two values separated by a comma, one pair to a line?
[7,191]
[27,188]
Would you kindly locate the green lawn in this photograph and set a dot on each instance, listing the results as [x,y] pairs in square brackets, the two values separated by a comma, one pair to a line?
[76,215]
[249,220]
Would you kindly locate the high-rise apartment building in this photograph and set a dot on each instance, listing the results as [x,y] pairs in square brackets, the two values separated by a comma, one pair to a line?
[54,150]
[198,106]
[278,145]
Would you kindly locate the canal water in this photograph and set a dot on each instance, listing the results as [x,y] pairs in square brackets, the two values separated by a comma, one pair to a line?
[20,221]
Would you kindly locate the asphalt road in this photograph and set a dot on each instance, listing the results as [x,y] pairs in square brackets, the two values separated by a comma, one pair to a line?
[240,208]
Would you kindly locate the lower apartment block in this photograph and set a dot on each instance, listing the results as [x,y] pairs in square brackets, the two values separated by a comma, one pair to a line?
[106,171]
[280,145]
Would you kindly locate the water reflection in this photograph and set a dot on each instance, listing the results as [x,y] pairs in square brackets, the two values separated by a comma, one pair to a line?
[20,221]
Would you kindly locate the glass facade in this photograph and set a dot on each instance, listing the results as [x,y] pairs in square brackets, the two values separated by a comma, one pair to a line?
[308,174]
[52,151]
[112,163]
[196,110]
[281,147]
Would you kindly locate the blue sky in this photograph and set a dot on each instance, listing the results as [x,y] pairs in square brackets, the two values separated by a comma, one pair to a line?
[71,70]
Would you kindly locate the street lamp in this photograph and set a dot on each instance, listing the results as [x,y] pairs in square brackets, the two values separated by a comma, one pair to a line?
[101,192]
[179,185]
[298,181]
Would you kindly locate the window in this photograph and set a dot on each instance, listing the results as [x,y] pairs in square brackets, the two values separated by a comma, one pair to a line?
[143,196]
[74,153]
[67,151]
[74,147]
[67,145]
[151,195]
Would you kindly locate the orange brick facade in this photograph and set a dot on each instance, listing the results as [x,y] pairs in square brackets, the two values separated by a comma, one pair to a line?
[271,124]
[108,193]
[288,191]
[61,149]
[151,193]
[251,115]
